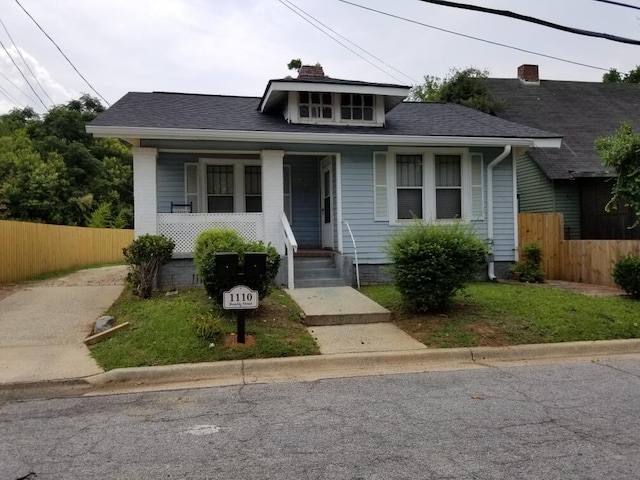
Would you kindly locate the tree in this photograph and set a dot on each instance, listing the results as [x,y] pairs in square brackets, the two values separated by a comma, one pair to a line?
[94,171]
[295,64]
[614,76]
[463,87]
[622,152]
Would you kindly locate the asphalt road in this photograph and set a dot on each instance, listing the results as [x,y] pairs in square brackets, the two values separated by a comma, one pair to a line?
[563,421]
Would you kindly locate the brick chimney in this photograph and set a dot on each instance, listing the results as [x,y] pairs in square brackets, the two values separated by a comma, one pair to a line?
[529,74]
[311,71]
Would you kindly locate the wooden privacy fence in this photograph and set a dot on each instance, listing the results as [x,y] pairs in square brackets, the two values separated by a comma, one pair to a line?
[30,249]
[586,261]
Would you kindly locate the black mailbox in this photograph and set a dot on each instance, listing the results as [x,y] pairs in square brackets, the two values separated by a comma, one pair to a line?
[227,265]
[255,264]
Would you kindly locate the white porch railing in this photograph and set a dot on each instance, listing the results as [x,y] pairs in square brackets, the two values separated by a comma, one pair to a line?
[183,228]
[292,247]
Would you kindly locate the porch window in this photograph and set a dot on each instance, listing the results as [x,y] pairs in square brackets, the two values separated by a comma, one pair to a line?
[253,188]
[316,105]
[448,186]
[355,106]
[220,191]
[409,183]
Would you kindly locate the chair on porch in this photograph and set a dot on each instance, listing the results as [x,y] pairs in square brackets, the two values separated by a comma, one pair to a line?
[181,207]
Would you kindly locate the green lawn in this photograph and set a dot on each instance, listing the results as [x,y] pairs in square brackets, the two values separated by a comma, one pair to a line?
[163,332]
[494,314]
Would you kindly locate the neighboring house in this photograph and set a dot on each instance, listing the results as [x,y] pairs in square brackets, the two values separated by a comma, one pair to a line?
[571,180]
[321,156]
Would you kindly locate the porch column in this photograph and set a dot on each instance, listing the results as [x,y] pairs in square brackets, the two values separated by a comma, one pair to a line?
[272,197]
[144,191]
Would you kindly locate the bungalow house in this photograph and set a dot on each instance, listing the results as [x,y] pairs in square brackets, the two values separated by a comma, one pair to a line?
[570,180]
[318,164]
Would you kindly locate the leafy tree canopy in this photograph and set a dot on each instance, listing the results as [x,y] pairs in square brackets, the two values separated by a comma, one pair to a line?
[463,87]
[622,152]
[52,170]
[614,76]
[294,64]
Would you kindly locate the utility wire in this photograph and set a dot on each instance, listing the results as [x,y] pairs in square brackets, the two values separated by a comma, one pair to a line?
[352,43]
[23,75]
[538,21]
[619,4]
[474,38]
[18,88]
[63,54]
[25,62]
[338,41]
[10,97]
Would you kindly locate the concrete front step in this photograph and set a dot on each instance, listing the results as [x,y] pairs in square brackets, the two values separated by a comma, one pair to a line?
[337,306]
[319,282]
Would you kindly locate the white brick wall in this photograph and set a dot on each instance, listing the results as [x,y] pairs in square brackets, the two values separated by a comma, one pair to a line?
[272,197]
[144,191]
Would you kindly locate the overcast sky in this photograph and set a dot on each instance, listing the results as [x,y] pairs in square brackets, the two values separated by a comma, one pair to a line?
[234,47]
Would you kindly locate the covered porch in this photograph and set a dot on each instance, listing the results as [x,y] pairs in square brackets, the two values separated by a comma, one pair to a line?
[282,199]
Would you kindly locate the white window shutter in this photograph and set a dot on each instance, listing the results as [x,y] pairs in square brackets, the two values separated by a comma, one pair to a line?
[380,207]
[191,185]
[477,187]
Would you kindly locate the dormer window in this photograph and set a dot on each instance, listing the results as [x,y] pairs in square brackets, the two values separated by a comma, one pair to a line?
[316,105]
[356,106]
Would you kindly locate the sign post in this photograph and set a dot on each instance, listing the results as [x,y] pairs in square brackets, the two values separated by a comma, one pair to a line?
[241,298]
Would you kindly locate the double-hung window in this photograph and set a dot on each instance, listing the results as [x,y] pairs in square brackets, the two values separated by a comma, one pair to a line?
[410,189]
[448,171]
[233,187]
[315,105]
[431,184]
[220,188]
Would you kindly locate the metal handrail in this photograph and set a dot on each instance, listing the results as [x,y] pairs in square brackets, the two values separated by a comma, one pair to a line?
[355,252]
[292,247]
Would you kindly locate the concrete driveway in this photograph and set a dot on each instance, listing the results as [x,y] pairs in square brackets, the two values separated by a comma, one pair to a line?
[43,325]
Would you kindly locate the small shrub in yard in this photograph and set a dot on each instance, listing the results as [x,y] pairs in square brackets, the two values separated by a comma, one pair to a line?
[145,255]
[529,268]
[208,326]
[626,273]
[431,262]
[218,241]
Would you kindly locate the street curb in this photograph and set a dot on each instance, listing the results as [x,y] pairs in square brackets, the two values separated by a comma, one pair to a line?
[237,372]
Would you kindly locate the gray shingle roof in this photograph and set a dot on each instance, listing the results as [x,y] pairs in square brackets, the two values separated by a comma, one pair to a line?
[216,112]
[579,111]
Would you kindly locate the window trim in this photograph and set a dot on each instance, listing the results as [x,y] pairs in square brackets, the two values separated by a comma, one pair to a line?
[351,121]
[429,183]
[239,205]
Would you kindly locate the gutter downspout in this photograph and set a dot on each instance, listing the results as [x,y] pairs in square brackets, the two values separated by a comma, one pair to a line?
[505,153]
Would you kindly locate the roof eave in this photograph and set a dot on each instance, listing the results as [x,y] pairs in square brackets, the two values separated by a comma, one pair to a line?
[314,137]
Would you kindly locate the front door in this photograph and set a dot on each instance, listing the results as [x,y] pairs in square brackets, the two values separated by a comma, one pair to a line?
[326,212]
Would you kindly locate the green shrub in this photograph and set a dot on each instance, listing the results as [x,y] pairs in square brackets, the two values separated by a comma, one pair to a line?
[211,242]
[529,268]
[208,326]
[145,255]
[431,262]
[626,273]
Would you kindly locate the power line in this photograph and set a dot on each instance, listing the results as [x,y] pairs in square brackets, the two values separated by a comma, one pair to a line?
[619,4]
[352,43]
[23,75]
[474,38]
[62,53]
[10,97]
[338,41]
[17,87]
[538,21]
[25,62]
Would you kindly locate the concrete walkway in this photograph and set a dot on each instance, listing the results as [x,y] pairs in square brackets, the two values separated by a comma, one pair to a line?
[43,325]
